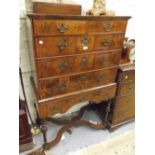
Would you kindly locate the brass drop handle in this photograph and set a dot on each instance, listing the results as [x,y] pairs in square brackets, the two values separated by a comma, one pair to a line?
[63,65]
[62,86]
[85,41]
[83,62]
[82,99]
[62,44]
[107,27]
[83,77]
[62,28]
[105,42]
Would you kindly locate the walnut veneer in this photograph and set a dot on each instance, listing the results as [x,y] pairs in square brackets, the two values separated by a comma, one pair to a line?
[76,59]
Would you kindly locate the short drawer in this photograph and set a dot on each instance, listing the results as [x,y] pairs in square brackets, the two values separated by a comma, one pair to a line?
[66,84]
[77,63]
[109,42]
[126,89]
[124,102]
[128,76]
[62,104]
[43,27]
[123,115]
[106,26]
[58,46]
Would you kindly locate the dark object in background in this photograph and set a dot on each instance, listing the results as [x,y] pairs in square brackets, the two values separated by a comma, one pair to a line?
[25,135]
[55,8]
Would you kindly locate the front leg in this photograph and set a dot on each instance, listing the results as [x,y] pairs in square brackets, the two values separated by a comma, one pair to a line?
[108,108]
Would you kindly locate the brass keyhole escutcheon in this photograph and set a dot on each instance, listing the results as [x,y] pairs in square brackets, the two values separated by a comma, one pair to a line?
[62,44]
[85,41]
[63,65]
[107,27]
[105,42]
[62,28]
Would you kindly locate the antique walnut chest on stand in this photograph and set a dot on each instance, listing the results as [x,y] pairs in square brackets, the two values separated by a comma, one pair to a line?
[76,58]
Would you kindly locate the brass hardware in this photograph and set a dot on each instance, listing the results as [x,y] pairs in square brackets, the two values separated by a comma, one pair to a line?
[63,65]
[62,28]
[62,86]
[83,62]
[85,41]
[63,44]
[101,60]
[126,77]
[99,78]
[83,77]
[105,42]
[107,27]
[82,99]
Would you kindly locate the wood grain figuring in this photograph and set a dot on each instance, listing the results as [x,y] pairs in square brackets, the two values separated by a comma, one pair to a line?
[58,46]
[77,63]
[123,115]
[126,89]
[94,27]
[56,86]
[108,42]
[74,54]
[54,8]
[61,105]
[58,27]
[128,76]
[125,102]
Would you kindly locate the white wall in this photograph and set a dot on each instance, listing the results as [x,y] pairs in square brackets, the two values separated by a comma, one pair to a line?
[122,7]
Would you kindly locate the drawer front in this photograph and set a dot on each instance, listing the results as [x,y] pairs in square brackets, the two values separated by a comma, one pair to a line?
[77,63]
[62,104]
[124,102]
[106,26]
[123,115]
[57,46]
[128,76]
[109,42]
[44,27]
[126,89]
[67,84]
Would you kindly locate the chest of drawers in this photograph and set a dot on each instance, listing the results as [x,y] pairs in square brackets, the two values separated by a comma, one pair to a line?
[123,107]
[76,59]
